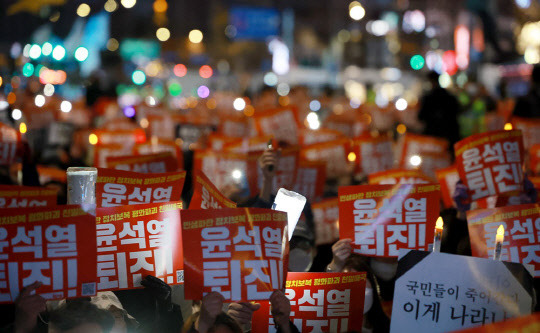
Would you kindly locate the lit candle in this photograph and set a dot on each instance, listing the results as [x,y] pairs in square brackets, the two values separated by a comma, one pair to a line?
[439,225]
[499,239]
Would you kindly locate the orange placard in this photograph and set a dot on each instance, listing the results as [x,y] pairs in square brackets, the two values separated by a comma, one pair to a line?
[534,159]
[102,152]
[320,302]
[151,163]
[206,195]
[155,146]
[399,176]
[239,252]
[246,145]
[237,128]
[416,144]
[125,138]
[530,129]
[448,178]
[119,188]
[310,137]
[373,154]
[334,153]
[10,139]
[490,163]
[15,196]
[521,228]
[286,168]
[282,124]
[326,218]
[310,179]
[381,219]
[140,240]
[52,245]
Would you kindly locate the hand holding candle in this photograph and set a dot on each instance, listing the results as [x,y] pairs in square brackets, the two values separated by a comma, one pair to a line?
[439,225]
[499,239]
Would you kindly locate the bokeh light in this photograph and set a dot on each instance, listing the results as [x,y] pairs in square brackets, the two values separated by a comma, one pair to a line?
[128,3]
[163,34]
[83,10]
[39,100]
[239,104]
[16,114]
[180,70]
[206,72]
[81,54]
[138,77]
[203,92]
[34,52]
[59,52]
[417,62]
[65,106]
[195,36]
[28,69]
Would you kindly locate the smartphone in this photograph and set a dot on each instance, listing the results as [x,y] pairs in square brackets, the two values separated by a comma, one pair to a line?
[291,203]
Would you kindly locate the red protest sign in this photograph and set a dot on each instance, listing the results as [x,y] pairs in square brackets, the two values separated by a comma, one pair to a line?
[15,196]
[227,169]
[287,165]
[416,144]
[521,228]
[238,252]
[282,124]
[126,137]
[103,152]
[140,240]
[534,159]
[310,179]
[399,176]
[9,144]
[334,153]
[55,246]
[448,178]
[373,154]
[530,129]
[118,187]
[152,163]
[490,163]
[206,195]
[381,219]
[310,137]
[155,146]
[326,218]
[320,302]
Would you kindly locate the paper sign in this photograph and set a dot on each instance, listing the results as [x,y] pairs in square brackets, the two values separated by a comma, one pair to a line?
[490,163]
[534,159]
[135,241]
[155,146]
[152,163]
[530,128]
[118,187]
[282,124]
[416,144]
[326,218]
[521,228]
[9,141]
[206,195]
[381,219]
[320,302]
[373,154]
[14,196]
[430,162]
[334,153]
[286,167]
[103,152]
[440,292]
[238,252]
[310,137]
[234,127]
[525,324]
[399,176]
[125,138]
[52,245]
[310,179]
[448,178]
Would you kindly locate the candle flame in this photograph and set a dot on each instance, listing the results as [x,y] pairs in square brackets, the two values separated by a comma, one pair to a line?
[439,224]
[500,234]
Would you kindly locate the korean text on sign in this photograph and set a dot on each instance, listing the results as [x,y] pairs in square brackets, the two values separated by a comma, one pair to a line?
[238,252]
[118,188]
[490,163]
[135,241]
[55,246]
[521,233]
[206,195]
[152,163]
[14,196]
[320,302]
[381,219]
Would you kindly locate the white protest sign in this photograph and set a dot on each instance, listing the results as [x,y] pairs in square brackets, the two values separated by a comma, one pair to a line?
[440,292]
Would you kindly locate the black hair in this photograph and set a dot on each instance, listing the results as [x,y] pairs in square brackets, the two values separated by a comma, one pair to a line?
[535,75]
[78,312]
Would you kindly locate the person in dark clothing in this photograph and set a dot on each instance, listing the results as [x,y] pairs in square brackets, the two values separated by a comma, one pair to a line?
[438,111]
[528,106]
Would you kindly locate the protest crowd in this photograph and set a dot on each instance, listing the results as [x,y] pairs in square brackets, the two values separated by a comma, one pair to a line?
[293,207]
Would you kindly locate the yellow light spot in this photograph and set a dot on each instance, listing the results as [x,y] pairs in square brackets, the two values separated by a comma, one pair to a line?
[22,128]
[160,6]
[195,36]
[163,34]
[439,224]
[144,123]
[112,44]
[249,111]
[1,81]
[508,127]
[93,139]
[211,103]
[110,6]
[351,157]
[500,234]
[283,100]
[83,10]
[401,128]
[128,3]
